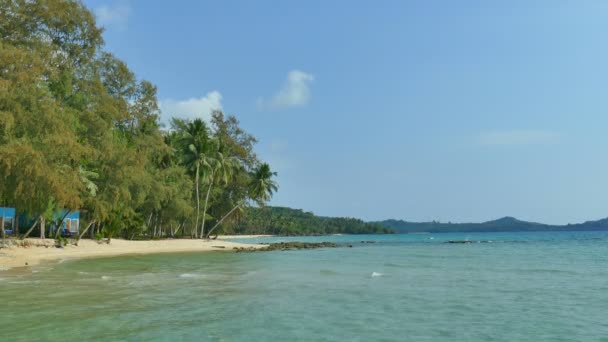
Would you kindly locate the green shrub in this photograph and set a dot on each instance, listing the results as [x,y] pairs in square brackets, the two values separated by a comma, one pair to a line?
[99,236]
[61,241]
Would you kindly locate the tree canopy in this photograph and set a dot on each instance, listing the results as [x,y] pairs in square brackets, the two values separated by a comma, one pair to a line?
[287,221]
[80,131]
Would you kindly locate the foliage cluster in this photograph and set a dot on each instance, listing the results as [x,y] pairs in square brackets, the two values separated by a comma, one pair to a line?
[79,131]
[287,221]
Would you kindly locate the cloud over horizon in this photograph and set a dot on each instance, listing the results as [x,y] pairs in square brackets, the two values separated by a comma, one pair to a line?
[114,16]
[191,108]
[518,137]
[295,92]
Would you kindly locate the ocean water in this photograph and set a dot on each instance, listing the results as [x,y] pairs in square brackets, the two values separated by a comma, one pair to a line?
[518,287]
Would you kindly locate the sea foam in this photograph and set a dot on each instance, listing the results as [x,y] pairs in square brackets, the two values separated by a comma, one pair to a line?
[190,275]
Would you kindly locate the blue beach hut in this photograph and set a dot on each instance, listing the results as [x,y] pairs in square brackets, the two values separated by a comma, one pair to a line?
[70,224]
[7,219]
[69,227]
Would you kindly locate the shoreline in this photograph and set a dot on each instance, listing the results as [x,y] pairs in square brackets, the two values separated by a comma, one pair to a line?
[42,251]
[220,237]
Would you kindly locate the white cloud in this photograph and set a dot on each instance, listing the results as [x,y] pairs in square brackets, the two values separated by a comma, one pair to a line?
[518,137]
[192,108]
[295,92]
[115,16]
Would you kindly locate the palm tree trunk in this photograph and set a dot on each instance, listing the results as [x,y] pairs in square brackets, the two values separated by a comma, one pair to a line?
[178,229]
[85,230]
[222,219]
[3,236]
[31,228]
[61,224]
[150,219]
[155,225]
[205,208]
[198,200]
[42,226]
[16,226]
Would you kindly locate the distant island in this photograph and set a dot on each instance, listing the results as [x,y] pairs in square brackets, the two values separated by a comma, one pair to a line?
[505,224]
[291,222]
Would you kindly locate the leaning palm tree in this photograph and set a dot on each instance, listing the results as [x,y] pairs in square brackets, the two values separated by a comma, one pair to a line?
[197,146]
[224,168]
[261,188]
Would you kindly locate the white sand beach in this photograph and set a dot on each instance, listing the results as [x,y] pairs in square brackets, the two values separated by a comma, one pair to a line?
[44,250]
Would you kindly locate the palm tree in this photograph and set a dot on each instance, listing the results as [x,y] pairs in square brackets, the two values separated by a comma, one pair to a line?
[196,145]
[261,189]
[223,170]
[262,184]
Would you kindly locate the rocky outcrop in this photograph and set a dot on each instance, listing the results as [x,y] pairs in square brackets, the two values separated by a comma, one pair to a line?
[284,246]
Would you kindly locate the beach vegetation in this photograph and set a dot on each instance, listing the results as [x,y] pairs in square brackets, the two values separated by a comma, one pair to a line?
[288,222]
[80,131]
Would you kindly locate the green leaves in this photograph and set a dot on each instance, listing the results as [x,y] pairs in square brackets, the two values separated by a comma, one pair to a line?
[78,130]
[262,185]
[287,221]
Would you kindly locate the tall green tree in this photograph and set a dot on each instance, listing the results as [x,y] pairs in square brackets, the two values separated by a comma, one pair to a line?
[197,156]
[224,168]
[79,130]
[261,188]
[263,185]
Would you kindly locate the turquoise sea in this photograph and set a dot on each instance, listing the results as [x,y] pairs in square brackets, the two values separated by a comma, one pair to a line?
[518,287]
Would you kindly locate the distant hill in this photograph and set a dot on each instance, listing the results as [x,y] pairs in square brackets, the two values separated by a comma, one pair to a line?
[505,224]
[287,221]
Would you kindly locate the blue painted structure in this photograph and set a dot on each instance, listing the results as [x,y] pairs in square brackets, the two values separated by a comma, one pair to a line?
[70,225]
[7,219]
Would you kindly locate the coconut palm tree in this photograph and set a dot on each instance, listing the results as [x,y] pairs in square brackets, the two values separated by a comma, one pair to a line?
[261,189]
[224,168]
[262,184]
[197,151]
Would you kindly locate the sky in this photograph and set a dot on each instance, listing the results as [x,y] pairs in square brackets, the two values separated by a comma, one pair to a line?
[419,110]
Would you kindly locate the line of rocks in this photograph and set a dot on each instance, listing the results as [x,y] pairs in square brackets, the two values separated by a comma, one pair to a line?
[285,246]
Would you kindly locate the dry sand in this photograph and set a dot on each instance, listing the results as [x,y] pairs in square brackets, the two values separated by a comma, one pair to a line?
[44,250]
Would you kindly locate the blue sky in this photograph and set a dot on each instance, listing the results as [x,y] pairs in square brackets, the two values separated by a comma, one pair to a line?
[421,110]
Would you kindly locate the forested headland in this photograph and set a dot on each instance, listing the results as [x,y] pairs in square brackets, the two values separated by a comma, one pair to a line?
[287,221]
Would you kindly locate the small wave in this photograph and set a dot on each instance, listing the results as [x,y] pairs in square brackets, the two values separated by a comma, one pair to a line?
[105,277]
[549,271]
[190,275]
[83,273]
[376,274]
